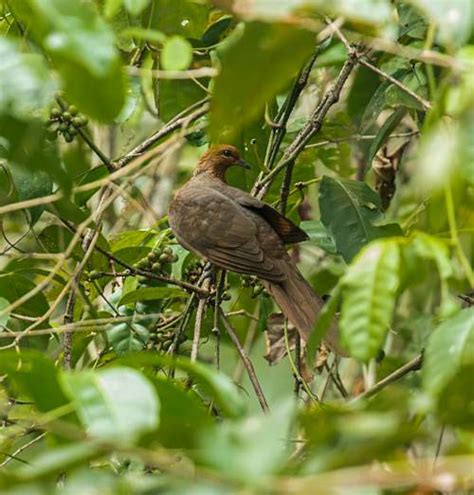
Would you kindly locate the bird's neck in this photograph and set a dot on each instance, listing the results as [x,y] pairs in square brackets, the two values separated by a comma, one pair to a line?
[211,173]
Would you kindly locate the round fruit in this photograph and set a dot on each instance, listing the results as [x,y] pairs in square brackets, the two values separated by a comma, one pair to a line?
[73,110]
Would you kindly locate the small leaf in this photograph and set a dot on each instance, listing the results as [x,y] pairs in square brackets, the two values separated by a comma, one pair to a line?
[151,294]
[4,316]
[319,235]
[13,286]
[128,337]
[114,404]
[136,7]
[177,53]
[369,290]
[263,60]
[382,134]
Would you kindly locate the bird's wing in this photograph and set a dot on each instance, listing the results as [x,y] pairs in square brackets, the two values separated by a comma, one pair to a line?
[288,232]
[217,227]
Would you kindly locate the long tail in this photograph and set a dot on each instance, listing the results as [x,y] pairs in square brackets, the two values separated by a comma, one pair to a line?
[299,303]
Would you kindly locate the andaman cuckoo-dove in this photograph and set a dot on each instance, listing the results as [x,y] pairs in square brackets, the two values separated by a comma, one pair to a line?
[238,232]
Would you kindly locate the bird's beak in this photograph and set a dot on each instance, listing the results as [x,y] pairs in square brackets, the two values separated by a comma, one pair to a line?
[244,164]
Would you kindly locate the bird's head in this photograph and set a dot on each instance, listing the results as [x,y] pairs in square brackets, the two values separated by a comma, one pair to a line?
[218,159]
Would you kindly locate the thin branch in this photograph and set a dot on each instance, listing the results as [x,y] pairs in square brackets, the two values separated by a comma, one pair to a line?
[198,322]
[160,134]
[413,365]
[68,318]
[312,126]
[246,361]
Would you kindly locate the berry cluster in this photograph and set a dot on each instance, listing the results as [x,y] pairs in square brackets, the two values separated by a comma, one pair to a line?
[193,272]
[164,338]
[66,123]
[157,260]
[257,287]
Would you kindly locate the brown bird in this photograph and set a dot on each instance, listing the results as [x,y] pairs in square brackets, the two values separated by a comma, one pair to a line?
[238,232]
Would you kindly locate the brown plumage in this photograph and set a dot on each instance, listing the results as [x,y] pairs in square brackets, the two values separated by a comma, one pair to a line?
[238,232]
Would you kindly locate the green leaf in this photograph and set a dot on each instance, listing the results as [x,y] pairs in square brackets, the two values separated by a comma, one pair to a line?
[4,316]
[348,212]
[183,417]
[249,449]
[177,53]
[151,294]
[319,235]
[186,18]
[13,286]
[53,461]
[128,337]
[25,86]
[36,376]
[448,368]
[176,96]
[31,184]
[136,7]
[263,60]
[369,290]
[384,132]
[454,19]
[215,384]
[82,48]
[115,404]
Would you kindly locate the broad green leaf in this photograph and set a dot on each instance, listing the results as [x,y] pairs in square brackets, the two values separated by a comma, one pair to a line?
[24,143]
[56,460]
[151,294]
[182,17]
[183,416]
[115,404]
[319,235]
[4,316]
[350,211]
[448,368]
[369,290]
[249,449]
[453,18]
[177,53]
[31,184]
[128,337]
[35,376]
[384,132]
[82,48]
[13,286]
[176,96]
[263,60]
[214,383]
[26,88]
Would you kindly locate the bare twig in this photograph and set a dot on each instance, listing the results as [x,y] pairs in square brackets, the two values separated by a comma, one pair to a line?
[198,322]
[160,134]
[246,361]
[413,365]
[68,318]
[313,125]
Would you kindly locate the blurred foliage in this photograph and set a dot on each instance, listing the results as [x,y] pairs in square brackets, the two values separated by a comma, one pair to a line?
[105,107]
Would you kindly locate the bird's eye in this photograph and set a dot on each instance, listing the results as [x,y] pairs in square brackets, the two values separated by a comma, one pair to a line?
[227,153]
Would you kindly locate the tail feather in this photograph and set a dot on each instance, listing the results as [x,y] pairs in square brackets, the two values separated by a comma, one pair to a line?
[300,304]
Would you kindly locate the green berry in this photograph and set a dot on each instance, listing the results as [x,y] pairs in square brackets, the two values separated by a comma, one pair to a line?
[76,121]
[72,131]
[67,115]
[84,120]
[68,138]
[73,110]
[164,258]
[63,127]
[143,264]
[168,250]
[55,113]
[152,256]
[156,267]
[174,259]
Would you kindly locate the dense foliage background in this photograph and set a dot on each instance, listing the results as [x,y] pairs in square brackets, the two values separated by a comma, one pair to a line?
[123,370]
